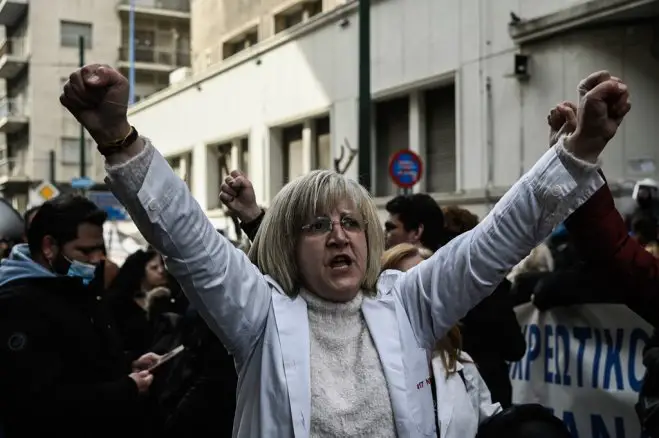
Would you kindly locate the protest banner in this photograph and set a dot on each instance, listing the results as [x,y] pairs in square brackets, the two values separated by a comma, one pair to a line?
[585,363]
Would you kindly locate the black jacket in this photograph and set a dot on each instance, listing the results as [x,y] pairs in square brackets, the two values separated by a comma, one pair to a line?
[491,335]
[62,366]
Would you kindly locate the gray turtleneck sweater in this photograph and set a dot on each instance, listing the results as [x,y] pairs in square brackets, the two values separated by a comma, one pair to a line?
[349,395]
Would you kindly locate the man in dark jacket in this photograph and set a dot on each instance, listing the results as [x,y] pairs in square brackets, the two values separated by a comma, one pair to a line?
[62,368]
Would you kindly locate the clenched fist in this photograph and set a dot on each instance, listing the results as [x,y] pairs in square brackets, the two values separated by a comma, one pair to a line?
[562,120]
[603,104]
[97,96]
[238,195]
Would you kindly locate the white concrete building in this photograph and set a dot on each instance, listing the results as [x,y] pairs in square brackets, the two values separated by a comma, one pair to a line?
[39,49]
[443,84]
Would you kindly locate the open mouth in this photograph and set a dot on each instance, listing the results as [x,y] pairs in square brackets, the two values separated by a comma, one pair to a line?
[340,262]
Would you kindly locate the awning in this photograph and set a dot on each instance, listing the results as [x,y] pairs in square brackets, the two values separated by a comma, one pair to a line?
[586,14]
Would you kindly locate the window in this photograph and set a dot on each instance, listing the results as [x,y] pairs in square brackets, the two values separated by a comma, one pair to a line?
[392,132]
[314,8]
[440,140]
[244,155]
[240,43]
[144,38]
[299,13]
[70,151]
[182,166]
[324,159]
[224,161]
[70,33]
[293,152]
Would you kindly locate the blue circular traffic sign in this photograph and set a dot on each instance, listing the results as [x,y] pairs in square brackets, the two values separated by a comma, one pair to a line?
[405,168]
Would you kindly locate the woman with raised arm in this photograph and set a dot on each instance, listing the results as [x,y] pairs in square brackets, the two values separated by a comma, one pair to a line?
[325,346]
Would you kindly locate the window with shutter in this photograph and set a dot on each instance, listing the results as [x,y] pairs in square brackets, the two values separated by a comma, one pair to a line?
[323,144]
[293,152]
[70,33]
[392,133]
[440,136]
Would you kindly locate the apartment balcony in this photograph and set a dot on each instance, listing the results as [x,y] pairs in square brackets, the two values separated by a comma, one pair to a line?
[13,57]
[149,59]
[13,115]
[12,170]
[11,11]
[176,9]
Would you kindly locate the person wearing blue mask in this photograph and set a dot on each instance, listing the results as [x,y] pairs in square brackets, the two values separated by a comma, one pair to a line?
[62,365]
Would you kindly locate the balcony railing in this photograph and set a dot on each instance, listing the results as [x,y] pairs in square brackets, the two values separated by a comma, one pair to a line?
[12,107]
[166,5]
[157,56]
[13,47]
[16,168]
[12,168]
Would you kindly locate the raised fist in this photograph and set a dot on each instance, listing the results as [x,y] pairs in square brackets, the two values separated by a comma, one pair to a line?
[237,193]
[562,120]
[603,104]
[97,96]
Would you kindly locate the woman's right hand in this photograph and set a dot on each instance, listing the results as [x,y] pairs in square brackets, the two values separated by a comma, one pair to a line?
[237,193]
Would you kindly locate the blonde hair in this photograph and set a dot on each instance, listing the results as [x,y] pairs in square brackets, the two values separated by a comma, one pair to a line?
[449,349]
[314,194]
[450,346]
[394,256]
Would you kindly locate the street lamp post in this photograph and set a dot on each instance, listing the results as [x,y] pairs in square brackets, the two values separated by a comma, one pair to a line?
[365,93]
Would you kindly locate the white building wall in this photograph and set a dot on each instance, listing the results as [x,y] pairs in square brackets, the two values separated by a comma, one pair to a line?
[414,43]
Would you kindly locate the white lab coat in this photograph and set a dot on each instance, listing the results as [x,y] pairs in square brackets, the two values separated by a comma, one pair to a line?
[461,405]
[268,331]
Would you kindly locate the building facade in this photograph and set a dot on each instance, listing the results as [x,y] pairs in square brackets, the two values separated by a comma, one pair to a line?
[223,28]
[41,46]
[465,83]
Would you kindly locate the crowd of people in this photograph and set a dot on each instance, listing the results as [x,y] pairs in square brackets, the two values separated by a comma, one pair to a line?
[326,324]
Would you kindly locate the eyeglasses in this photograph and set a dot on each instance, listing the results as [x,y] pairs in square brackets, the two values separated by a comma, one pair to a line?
[324,225]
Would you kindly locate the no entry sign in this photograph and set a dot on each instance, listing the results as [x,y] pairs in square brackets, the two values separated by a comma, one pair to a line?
[405,168]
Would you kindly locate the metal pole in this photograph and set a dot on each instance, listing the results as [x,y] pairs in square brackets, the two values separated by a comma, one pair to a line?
[131,53]
[83,158]
[51,163]
[365,93]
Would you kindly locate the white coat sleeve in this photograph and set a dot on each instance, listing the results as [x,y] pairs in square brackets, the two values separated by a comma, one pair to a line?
[439,292]
[222,284]
[478,392]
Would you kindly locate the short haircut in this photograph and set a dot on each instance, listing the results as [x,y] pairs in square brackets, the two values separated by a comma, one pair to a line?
[416,210]
[458,220]
[60,218]
[26,216]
